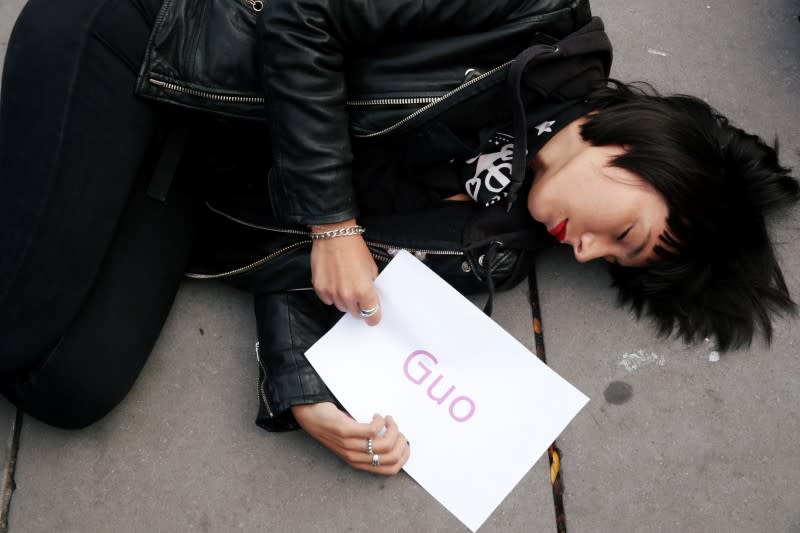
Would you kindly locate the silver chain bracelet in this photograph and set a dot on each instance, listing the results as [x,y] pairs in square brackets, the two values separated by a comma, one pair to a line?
[339,232]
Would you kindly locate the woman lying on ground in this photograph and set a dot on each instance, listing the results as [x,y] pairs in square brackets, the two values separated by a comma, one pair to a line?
[663,188]
[682,224]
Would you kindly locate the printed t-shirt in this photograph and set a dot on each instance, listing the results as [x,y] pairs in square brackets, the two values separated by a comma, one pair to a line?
[483,177]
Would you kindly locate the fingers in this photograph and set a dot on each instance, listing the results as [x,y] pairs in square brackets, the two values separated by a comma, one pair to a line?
[380,443]
[389,441]
[391,470]
[360,300]
[385,468]
[370,304]
[350,442]
[356,432]
[343,273]
[349,439]
[391,449]
[324,297]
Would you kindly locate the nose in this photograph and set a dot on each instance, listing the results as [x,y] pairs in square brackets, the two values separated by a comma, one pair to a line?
[588,247]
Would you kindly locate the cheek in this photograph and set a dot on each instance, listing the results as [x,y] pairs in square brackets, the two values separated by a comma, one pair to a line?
[535,206]
[549,197]
[540,202]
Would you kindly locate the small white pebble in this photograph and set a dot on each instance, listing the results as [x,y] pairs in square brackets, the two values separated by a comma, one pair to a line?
[713,357]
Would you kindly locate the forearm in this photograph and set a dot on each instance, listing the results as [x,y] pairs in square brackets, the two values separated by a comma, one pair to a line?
[288,324]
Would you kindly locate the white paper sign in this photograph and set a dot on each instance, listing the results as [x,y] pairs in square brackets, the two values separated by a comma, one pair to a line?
[478,407]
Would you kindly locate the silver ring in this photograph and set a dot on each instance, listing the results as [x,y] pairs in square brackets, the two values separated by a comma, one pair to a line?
[366,313]
[369,446]
[376,460]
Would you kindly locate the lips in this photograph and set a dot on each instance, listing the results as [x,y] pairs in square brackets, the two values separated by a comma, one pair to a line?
[559,231]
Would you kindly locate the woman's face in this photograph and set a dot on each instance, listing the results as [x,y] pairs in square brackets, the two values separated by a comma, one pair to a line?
[599,210]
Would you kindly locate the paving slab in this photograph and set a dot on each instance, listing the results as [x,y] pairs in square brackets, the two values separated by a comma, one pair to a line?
[9,9]
[740,56]
[8,14]
[182,452]
[8,414]
[674,440]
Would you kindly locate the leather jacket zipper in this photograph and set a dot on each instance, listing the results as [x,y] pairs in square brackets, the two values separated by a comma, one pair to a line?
[251,266]
[231,99]
[388,247]
[261,393]
[434,102]
[419,253]
[394,101]
[232,218]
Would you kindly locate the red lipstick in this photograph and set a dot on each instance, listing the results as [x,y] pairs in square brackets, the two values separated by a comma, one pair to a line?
[559,231]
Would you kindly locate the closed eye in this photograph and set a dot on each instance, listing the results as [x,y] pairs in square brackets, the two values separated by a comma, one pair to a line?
[624,233]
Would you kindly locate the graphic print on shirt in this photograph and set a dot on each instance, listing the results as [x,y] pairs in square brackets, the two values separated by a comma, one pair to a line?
[492,171]
[487,175]
[545,127]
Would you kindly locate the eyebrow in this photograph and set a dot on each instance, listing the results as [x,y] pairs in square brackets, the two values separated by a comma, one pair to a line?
[636,251]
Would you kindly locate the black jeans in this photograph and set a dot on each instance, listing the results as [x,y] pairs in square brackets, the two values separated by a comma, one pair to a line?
[89,264]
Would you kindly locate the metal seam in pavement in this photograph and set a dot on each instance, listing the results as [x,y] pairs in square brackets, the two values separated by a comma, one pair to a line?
[553,453]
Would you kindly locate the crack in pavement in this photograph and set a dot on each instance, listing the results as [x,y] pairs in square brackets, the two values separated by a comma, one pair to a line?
[9,483]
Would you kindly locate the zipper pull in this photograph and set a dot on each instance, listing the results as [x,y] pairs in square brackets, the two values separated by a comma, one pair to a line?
[470,74]
[257,5]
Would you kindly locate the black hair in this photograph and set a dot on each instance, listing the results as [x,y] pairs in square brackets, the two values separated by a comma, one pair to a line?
[716,272]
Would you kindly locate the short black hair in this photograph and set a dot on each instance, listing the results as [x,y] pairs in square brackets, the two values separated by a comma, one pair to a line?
[716,272]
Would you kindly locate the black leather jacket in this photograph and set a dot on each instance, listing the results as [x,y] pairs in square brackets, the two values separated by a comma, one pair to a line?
[307,45]
[314,56]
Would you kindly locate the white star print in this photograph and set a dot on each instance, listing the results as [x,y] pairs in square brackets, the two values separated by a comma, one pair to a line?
[544,127]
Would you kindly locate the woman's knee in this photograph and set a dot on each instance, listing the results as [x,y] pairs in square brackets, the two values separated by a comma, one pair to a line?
[71,401]
[65,415]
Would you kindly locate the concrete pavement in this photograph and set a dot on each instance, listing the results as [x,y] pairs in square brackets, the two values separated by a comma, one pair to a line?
[674,439]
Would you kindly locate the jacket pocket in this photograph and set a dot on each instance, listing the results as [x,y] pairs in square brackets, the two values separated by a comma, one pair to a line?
[203,55]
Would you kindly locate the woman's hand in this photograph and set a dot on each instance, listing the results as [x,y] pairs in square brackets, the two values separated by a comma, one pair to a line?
[348,438]
[343,273]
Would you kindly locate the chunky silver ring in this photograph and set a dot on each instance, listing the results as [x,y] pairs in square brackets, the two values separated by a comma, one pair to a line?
[376,460]
[369,446]
[366,313]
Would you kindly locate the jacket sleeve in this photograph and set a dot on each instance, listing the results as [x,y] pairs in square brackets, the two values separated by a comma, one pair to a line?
[304,47]
[288,323]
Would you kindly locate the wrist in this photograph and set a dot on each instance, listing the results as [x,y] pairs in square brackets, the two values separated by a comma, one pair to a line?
[347,228]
